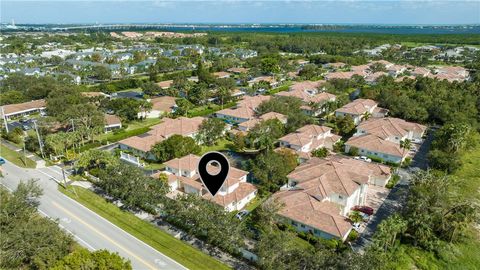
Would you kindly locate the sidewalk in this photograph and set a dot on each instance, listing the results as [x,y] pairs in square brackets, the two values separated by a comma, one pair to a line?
[40,162]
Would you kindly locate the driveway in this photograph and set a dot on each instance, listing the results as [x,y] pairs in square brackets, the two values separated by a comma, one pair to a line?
[393,203]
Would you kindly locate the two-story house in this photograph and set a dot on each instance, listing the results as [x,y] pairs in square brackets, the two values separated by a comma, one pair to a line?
[309,138]
[310,93]
[359,109]
[382,137]
[141,145]
[234,194]
[321,193]
[244,110]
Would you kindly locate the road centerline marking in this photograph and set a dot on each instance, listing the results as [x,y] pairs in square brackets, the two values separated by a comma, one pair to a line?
[104,236]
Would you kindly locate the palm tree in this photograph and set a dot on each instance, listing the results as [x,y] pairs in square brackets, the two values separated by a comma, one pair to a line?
[367,115]
[405,144]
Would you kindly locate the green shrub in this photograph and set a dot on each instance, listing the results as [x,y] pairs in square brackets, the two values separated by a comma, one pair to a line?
[393,181]
[352,236]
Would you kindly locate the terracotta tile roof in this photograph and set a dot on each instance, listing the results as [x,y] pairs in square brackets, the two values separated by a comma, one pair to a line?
[312,211]
[420,71]
[374,76]
[188,162]
[164,104]
[243,190]
[358,106]
[340,75]
[268,79]
[307,96]
[376,144]
[221,74]
[334,175]
[180,126]
[165,84]
[389,126]
[170,177]
[25,106]
[238,70]
[245,108]
[267,116]
[309,134]
[112,120]
[306,85]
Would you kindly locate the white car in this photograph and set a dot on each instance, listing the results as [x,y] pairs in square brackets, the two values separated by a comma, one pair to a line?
[364,158]
[240,215]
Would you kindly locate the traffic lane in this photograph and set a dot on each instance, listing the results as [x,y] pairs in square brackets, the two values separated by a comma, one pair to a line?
[97,233]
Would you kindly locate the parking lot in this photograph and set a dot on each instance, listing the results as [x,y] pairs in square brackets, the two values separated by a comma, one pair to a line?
[24,124]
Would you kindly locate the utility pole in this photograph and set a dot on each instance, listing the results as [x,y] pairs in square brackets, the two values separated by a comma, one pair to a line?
[40,143]
[5,119]
[24,154]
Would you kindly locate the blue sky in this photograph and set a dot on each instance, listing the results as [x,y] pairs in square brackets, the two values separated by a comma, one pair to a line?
[243,11]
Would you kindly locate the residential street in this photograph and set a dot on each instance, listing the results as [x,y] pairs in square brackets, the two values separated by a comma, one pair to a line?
[396,199]
[90,230]
[392,204]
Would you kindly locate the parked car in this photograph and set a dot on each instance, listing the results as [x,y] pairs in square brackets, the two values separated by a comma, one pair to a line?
[356,226]
[364,209]
[364,158]
[2,161]
[365,217]
[240,215]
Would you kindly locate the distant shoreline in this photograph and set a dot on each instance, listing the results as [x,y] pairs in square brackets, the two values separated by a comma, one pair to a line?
[272,28]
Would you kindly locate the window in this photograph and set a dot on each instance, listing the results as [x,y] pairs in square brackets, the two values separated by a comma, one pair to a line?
[294,223]
[303,226]
[340,197]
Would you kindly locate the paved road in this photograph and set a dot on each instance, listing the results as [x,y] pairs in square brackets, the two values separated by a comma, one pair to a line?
[394,202]
[89,229]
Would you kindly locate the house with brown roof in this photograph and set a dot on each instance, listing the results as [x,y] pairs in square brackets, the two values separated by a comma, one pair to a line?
[222,75]
[340,75]
[391,129]
[160,106]
[142,144]
[268,79]
[22,109]
[247,125]
[375,146]
[381,138]
[244,110]
[165,84]
[359,108]
[309,138]
[238,70]
[112,122]
[451,73]
[309,93]
[234,194]
[321,192]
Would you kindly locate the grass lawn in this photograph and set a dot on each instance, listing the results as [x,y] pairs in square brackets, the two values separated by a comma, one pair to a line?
[143,123]
[154,166]
[16,157]
[181,252]
[134,128]
[222,144]
[461,255]
[255,203]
